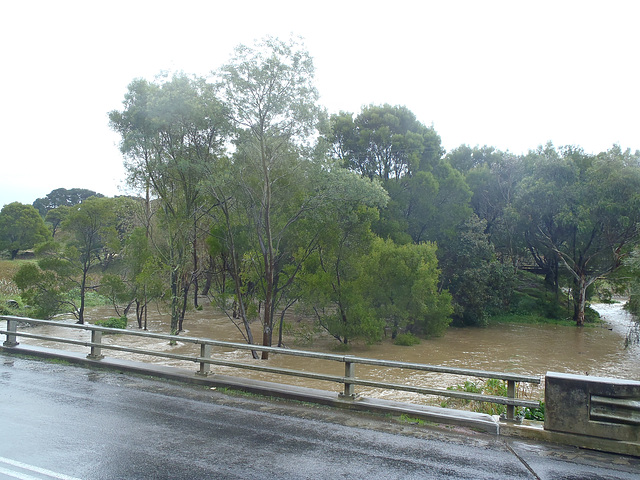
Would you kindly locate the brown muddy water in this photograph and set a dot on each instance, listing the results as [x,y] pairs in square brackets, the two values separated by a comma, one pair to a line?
[525,349]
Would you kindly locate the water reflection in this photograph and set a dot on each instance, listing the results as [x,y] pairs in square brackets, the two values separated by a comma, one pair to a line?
[525,349]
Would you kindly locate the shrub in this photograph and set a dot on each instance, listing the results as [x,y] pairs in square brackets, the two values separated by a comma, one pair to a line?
[535,413]
[113,322]
[406,340]
[492,387]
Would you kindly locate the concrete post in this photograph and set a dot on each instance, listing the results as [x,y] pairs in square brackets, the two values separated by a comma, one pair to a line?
[511,393]
[205,352]
[96,350]
[349,372]
[11,341]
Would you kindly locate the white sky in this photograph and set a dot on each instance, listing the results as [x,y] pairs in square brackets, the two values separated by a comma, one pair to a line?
[510,74]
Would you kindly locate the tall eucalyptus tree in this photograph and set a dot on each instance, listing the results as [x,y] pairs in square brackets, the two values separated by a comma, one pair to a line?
[171,130]
[269,92]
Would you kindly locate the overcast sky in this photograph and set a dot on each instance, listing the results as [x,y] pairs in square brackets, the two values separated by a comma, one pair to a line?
[510,74]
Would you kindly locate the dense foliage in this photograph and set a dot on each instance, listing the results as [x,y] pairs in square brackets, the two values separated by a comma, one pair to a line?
[21,228]
[252,195]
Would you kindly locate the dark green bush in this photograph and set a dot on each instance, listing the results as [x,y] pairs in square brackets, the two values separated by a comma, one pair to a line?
[406,340]
[113,322]
[535,413]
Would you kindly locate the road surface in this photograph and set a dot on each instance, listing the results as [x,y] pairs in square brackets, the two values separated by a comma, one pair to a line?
[61,421]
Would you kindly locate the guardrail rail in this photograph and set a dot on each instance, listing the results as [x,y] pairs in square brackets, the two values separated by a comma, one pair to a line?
[349,380]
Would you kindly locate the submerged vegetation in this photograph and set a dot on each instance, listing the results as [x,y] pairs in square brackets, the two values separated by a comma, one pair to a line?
[493,387]
[113,322]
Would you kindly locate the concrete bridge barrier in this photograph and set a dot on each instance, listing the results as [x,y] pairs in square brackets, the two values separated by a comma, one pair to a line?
[602,409]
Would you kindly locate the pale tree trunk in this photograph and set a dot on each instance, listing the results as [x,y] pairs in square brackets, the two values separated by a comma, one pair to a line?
[235,274]
[175,313]
[581,302]
[195,265]
[578,271]
[584,282]
[268,254]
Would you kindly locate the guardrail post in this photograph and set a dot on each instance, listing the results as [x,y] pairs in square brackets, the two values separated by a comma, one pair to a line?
[96,350]
[349,372]
[511,393]
[12,326]
[205,352]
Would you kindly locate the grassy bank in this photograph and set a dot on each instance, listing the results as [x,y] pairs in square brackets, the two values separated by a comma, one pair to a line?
[531,319]
[12,304]
[9,292]
[533,303]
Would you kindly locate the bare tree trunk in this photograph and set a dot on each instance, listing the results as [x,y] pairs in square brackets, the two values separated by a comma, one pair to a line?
[183,310]
[195,265]
[268,254]
[581,302]
[174,301]
[83,291]
[139,308]
[235,274]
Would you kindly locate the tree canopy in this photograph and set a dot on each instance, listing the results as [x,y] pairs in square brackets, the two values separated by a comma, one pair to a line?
[584,210]
[63,197]
[21,228]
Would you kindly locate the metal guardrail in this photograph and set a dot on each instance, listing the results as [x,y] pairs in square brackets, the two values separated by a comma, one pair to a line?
[349,380]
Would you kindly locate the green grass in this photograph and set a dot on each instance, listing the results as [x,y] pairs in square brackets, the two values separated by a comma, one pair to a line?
[404,418]
[490,387]
[523,319]
[494,387]
[531,319]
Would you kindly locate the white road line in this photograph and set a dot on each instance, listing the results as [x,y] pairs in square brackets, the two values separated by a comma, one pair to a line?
[31,468]
[20,476]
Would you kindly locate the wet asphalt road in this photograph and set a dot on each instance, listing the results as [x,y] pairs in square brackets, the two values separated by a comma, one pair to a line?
[67,422]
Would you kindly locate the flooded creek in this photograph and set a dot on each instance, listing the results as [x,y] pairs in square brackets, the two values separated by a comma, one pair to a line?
[524,349]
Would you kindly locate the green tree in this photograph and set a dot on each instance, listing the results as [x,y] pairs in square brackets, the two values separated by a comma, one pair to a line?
[229,245]
[55,216]
[140,278]
[384,142]
[587,213]
[66,272]
[401,283]
[63,197]
[329,277]
[272,102]
[428,198]
[144,273]
[631,281]
[364,284]
[171,131]
[343,233]
[465,159]
[478,283]
[92,226]
[43,290]
[21,228]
